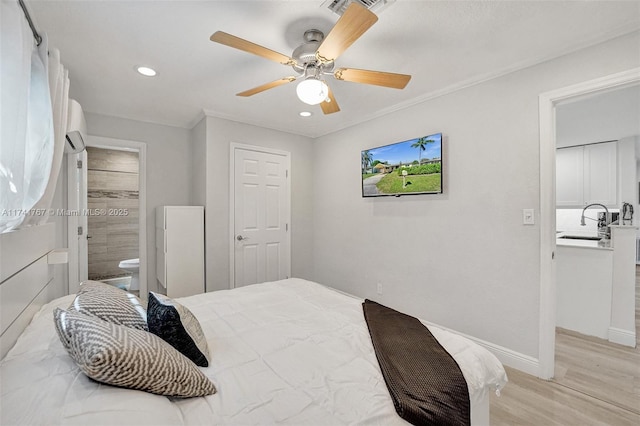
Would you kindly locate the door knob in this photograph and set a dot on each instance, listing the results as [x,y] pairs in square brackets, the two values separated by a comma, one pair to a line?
[241,238]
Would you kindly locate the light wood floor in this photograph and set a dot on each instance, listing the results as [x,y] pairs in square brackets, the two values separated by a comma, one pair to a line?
[596,383]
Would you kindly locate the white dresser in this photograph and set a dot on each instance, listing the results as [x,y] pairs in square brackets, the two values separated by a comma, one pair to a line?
[180,249]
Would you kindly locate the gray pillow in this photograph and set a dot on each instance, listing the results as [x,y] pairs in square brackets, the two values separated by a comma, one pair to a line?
[128,357]
[111,304]
[176,324]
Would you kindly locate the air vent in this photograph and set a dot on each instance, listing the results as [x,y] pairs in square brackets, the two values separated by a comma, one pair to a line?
[339,6]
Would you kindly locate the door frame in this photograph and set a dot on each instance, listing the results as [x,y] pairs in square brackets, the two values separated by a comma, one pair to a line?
[547,104]
[233,147]
[121,145]
[74,220]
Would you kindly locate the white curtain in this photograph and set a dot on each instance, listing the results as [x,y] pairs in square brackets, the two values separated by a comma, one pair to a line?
[30,156]
[59,91]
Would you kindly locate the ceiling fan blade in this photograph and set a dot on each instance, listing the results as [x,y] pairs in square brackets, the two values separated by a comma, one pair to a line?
[330,106]
[266,86]
[242,44]
[378,78]
[355,21]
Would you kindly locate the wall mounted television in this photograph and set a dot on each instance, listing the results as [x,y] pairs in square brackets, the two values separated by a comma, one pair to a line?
[410,167]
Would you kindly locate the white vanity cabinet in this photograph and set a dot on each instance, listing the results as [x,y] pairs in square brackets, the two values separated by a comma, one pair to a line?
[587,174]
[180,249]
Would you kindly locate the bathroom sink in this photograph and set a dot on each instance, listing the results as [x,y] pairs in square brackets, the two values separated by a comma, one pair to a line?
[580,237]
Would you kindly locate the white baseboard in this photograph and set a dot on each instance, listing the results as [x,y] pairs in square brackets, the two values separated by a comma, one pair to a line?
[508,357]
[622,337]
[514,359]
[511,358]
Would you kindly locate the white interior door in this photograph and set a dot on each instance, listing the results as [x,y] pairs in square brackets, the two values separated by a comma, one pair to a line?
[77,219]
[83,243]
[261,215]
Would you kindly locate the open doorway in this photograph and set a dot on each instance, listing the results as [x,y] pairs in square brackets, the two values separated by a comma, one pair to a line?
[112,225]
[601,131]
[588,348]
[108,241]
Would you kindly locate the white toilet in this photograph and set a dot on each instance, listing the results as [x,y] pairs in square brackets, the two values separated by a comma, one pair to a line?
[133,267]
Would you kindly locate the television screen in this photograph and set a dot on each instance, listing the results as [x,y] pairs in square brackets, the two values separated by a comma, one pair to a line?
[403,168]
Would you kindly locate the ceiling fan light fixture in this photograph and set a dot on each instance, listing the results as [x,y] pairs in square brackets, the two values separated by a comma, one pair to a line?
[312,91]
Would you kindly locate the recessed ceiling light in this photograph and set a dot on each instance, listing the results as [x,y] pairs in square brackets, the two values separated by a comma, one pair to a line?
[305,114]
[149,72]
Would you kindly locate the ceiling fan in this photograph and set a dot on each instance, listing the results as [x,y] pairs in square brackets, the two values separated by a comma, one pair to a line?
[315,59]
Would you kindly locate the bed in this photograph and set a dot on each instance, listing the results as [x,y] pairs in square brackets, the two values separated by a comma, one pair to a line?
[289,352]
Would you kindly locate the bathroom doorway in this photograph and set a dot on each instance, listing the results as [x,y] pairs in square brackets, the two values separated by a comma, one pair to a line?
[109,187]
[113,200]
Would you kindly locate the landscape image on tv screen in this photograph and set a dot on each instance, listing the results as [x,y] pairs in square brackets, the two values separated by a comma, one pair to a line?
[403,168]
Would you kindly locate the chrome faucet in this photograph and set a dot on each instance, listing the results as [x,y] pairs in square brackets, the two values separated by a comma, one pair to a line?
[602,226]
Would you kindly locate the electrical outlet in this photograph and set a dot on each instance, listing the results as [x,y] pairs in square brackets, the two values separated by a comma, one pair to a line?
[528,217]
[379,288]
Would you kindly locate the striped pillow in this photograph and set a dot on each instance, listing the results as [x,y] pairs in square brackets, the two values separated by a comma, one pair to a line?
[111,304]
[128,357]
[176,324]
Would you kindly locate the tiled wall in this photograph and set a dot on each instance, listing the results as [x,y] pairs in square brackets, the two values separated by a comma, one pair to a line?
[113,198]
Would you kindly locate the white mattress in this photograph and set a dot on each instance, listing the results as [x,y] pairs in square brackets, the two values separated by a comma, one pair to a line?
[290,351]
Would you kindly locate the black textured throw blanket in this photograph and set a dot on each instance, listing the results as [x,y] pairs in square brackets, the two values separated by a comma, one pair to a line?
[425,382]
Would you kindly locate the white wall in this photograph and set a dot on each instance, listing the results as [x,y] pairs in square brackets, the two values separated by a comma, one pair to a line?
[220,133]
[168,168]
[59,201]
[463,259]
[199,164]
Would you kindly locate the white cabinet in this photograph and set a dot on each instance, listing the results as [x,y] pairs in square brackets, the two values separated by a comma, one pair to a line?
[180,249]
[587,174]
[583,290]
[570,176]
[600,174]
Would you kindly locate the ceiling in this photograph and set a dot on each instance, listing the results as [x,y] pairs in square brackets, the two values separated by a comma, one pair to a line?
[608,115]
[442,44]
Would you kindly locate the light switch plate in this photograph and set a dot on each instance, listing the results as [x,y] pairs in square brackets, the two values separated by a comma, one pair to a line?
[528,217]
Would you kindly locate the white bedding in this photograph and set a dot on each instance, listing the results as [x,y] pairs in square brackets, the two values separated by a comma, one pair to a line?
[290,351]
